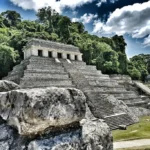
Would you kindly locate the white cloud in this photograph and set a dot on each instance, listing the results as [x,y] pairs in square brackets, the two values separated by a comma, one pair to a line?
[147,41]
[113,1]
[100,2]
[105,1]
[133,19]
[86,18]
[57,5]
[74,13]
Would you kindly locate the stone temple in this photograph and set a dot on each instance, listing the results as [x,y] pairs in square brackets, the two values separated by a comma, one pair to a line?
[51,64]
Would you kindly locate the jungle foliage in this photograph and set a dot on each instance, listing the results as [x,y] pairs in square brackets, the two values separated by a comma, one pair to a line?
[108,54]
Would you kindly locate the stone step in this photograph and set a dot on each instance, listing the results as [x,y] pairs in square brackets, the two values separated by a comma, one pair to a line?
[131,100]
[43,86]
[95,73]
[61,71]
[105,83]
[138,104]
[48,76]
[46,83]
[131,95]
[126,98]
[96,78]
[45,78]
[145,97]
[98,93]
[46,63]
[120,77]
[81,68]
[109,90]
[83,72]
[85,67]
[118,119]
[78,63]
[44,67]
[36,58]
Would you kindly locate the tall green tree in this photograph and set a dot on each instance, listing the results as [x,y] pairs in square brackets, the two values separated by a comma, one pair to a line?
[48,16]
[12,16]
[64,24]
[120,44]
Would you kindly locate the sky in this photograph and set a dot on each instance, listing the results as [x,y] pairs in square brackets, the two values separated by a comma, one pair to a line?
[130,18]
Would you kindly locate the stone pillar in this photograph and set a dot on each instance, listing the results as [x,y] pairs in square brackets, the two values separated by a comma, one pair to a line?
[72,56]
[24,54]
[54,54]
[80,57]
[45,53]
[34,52]
[64,55]
[28,53]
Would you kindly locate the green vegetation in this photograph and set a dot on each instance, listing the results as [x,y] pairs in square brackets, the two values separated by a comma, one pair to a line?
[140,130]
[137,148]
[139,67]
[108,54]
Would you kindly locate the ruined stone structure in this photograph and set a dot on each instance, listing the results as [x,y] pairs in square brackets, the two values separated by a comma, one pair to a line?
[50,64]
[51,49]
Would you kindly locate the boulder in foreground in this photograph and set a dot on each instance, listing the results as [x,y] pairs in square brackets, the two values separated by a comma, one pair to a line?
[32,111]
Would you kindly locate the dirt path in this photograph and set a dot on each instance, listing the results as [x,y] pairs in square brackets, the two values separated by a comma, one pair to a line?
[127,144]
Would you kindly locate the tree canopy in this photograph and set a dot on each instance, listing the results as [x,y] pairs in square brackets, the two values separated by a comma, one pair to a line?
[108,54]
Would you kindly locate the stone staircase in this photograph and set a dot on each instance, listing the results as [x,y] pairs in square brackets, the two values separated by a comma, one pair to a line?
[42,72]
[38,72]
[133,99]
[95,85]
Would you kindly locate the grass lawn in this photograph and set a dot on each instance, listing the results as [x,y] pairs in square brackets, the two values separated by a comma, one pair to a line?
[137,148]
[140,130]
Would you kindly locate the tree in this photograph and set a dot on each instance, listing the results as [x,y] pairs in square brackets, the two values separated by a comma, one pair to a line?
[123,63]
[1,21]
[64,24]
[120,43]
[48,16]
[77,27]
[12,16]
[7,59]
[140,64]
[111,64]
[135,74]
